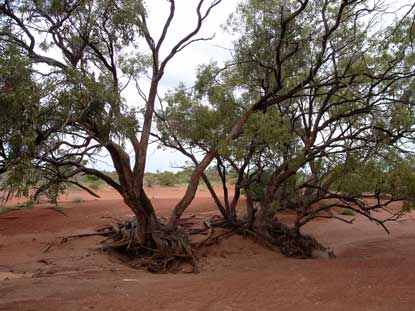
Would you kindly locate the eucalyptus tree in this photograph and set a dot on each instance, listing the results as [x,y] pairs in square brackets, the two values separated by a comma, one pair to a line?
[82,55]
[332,84]
[347,81]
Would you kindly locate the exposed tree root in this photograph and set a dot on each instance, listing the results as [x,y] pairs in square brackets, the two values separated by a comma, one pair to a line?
[165,251]
[294,244]
[274,235]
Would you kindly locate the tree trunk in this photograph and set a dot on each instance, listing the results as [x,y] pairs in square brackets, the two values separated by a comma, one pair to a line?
[147,222]
[191,190]
[262,219]
[250,210]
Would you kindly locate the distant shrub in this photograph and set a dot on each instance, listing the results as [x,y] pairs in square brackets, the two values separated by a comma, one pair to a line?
[167,179]
[183,176]
[150,180]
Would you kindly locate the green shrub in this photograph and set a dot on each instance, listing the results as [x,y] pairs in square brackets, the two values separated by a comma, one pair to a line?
[167,179]
[150,180]
[183,176]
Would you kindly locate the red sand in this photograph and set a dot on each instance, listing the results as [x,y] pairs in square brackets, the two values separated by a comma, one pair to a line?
[373,271]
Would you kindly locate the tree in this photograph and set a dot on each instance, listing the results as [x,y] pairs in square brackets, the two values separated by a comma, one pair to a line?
[329,94]
[83,54]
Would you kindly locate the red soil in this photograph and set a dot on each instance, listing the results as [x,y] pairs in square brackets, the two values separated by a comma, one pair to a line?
[373,271]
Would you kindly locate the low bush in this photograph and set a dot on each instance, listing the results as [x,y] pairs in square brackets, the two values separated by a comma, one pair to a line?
[167,179]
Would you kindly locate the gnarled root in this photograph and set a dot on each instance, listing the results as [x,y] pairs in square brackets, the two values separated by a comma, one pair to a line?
[163,251]
[293,244]
[166,251]
[276,234]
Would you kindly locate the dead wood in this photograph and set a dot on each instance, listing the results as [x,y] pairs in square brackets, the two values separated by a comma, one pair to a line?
[165,250]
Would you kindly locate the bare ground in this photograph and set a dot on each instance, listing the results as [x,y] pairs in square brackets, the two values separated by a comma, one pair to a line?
[373,271]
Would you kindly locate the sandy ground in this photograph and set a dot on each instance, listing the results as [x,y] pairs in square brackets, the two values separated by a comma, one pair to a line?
[373,271]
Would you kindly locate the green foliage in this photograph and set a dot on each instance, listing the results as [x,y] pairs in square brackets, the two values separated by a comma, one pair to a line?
[150,180]
[183,176]
[53,191]
[167,179]
[179,178]
[91,178]
[20,113]
[191,120]
[44,111]
[287,196]
[347,212]
[390,174]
